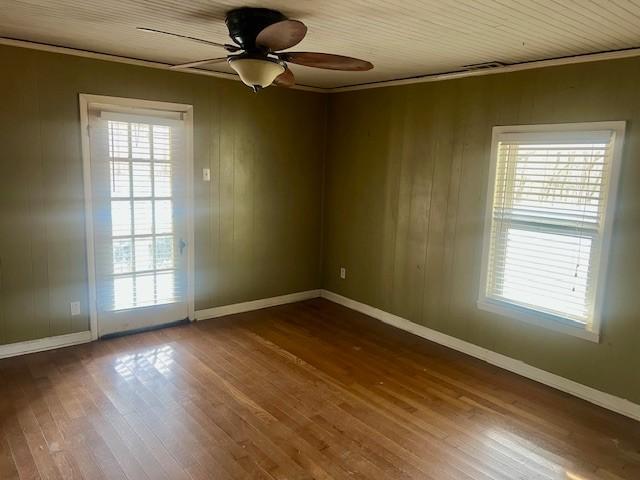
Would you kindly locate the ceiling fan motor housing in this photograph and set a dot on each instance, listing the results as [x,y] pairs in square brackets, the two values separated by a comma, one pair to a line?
[246,23]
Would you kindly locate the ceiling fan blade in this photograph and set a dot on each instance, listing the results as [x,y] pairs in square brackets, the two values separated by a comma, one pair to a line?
[327,61]
[226,46]
[198,63]
[281,35]
[285,79]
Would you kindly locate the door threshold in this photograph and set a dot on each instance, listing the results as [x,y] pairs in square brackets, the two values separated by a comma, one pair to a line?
[151,328]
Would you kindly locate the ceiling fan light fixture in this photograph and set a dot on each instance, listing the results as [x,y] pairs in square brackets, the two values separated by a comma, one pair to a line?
[256,73]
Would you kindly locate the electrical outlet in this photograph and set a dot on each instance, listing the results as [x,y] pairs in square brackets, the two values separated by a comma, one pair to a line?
[343,273]
[206,174]
[75,308]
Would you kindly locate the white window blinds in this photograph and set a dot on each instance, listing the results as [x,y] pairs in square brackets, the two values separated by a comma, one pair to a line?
[136,164]
[547,220]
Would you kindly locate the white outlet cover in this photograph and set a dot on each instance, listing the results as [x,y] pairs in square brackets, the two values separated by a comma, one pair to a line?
[206,174]
[75,308]
[343,273]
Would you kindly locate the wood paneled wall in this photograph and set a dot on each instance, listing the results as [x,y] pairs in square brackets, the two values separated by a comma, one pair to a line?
[405,190]
[257,227]
[406,181]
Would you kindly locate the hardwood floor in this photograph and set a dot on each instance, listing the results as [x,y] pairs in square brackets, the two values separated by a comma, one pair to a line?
[308,390]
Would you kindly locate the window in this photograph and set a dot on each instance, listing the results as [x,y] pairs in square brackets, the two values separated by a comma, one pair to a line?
[549,214]
[136,159]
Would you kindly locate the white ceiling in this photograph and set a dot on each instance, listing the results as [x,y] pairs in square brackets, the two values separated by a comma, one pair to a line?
[403,38]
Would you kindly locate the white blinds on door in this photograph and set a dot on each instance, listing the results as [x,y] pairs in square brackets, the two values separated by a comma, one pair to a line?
[135,164]
[547,218]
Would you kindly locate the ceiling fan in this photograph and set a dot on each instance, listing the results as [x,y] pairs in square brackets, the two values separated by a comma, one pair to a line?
[259,35]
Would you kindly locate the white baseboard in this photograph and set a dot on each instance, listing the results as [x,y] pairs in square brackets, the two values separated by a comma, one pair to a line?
[606,400]
[255,304]
[42,344]
[50,343]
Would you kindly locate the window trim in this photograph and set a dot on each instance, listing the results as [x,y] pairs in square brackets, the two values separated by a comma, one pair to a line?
[559,324]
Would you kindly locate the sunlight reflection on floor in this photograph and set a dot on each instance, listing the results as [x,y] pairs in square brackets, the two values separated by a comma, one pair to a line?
[573,476]
[532,453]
[160,359]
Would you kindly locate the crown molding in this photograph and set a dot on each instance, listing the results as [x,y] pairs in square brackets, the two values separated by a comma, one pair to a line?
[130,61]
[516,67]
[436,77]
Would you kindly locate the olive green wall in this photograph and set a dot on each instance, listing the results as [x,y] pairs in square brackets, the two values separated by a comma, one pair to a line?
[406,181]
[405,186]
[257,226]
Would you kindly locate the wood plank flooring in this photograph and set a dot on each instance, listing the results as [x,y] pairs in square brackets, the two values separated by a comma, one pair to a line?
[302,391]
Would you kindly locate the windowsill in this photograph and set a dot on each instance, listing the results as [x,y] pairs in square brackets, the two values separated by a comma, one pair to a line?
[540,319]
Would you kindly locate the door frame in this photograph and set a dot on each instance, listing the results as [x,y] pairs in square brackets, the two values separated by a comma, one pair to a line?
[132,105]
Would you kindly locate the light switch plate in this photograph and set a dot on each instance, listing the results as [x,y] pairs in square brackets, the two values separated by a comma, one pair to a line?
[206,174]
[75,308]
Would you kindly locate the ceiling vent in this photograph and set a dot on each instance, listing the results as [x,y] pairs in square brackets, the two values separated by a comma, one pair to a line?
[483,66]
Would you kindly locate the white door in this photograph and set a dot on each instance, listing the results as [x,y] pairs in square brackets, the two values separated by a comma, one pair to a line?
[139,197]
